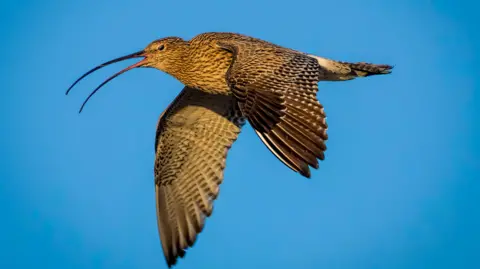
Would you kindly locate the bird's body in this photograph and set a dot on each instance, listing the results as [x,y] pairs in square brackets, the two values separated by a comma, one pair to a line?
[229,79]
[203,62]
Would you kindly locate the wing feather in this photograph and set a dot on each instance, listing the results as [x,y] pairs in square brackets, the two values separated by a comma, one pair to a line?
[276,90]
[193,137]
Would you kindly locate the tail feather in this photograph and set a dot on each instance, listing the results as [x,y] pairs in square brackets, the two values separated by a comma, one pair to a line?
[337,70]
[367,69]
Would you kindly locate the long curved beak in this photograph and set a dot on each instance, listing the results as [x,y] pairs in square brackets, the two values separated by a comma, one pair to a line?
[137,54]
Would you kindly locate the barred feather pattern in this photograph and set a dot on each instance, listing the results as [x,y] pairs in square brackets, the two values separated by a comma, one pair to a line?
[193,137]
[276,90]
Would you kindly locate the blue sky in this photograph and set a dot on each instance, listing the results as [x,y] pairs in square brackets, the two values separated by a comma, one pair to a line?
[399,187]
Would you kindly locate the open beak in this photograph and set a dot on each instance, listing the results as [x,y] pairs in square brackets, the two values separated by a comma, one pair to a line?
[137,54]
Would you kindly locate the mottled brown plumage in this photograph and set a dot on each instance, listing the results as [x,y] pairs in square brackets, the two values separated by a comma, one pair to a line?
[230,78]
[192,140]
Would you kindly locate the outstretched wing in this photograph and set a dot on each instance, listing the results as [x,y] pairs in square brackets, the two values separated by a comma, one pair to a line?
[276,90]
[193,137]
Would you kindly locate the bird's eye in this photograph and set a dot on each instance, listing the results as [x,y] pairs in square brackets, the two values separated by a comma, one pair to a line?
[161,47]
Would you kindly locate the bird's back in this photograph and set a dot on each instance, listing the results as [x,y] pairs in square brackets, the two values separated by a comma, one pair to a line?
[218,36]
[210,63]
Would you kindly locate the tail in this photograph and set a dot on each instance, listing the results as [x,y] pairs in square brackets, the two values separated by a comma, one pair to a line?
[336,70]
[368,69]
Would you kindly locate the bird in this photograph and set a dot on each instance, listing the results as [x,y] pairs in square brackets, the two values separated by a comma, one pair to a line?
[230,79]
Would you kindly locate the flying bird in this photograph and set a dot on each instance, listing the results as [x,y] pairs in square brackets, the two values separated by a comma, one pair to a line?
[230,79]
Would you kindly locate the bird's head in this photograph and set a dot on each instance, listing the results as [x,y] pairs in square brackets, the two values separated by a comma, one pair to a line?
[166,54]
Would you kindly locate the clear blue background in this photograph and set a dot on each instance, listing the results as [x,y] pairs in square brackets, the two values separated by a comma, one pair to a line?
[399,188]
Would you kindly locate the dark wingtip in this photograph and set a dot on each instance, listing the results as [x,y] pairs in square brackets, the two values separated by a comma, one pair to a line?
[171,261]
[306,173]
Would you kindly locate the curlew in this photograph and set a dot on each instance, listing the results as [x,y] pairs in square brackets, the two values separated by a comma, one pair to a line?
[230,79]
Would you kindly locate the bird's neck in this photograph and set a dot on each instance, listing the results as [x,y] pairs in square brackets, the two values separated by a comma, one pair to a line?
[205,69]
